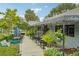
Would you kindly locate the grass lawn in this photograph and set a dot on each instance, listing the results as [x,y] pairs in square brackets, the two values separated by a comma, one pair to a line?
[9,51]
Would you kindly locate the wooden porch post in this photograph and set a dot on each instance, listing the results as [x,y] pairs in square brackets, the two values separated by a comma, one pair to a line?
[63,41]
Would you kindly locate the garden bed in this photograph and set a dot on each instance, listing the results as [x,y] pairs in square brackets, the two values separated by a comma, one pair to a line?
[58,52]
[12,50]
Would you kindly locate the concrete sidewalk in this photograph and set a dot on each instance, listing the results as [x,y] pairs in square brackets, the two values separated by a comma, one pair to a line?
[30,48]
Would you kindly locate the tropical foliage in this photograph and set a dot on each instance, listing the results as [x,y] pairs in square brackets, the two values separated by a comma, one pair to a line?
[52,52]
[51,37]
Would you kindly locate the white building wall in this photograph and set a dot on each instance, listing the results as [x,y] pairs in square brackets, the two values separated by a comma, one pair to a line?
[73,42]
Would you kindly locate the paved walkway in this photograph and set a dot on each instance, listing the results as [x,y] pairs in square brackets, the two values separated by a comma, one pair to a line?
[30,48]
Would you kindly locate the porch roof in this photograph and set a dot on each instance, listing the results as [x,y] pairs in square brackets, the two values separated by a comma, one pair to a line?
[69,16]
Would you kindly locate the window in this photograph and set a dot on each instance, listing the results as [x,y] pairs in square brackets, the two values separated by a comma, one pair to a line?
[69,30]
[45,28]
[57,27]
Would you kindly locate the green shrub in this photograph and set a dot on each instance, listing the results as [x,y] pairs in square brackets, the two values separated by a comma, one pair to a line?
[6,37]
[52,52]
[2,37]
[75,53]
[59,34]
[49,37]
[11,36]
[31,32]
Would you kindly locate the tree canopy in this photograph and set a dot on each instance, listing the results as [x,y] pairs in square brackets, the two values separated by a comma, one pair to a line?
[9,20]
[61,8]
[23,25]
[30,15]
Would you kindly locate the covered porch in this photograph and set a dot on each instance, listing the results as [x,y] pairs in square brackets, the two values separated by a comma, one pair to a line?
[69,22]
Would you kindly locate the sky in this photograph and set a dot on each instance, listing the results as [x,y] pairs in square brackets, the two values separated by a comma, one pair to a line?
[41,9]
